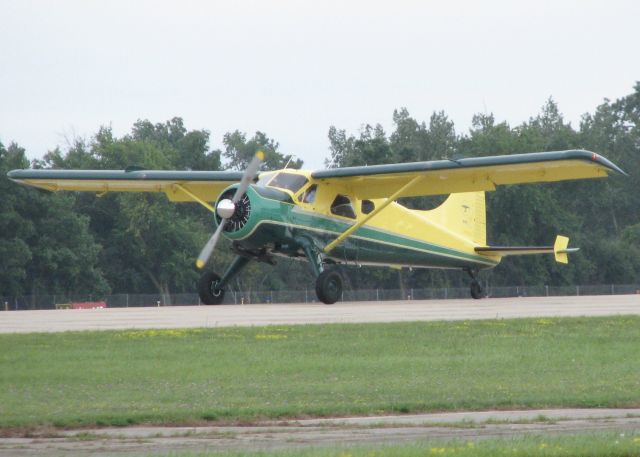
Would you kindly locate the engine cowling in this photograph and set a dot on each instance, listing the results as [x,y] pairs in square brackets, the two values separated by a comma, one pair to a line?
[241,213]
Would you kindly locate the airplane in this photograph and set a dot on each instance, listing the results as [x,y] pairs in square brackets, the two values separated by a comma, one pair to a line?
[346,215]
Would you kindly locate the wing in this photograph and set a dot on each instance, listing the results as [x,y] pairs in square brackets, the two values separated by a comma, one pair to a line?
[468,175]
[177,185]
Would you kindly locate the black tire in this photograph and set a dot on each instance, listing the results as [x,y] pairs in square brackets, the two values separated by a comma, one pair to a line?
[329,287]
[209,293]
[476,290]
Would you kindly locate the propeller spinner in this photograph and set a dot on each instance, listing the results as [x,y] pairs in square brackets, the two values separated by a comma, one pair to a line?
[226,207]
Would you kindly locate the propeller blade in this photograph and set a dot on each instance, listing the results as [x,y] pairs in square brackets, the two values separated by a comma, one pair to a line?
[203,258]
[247,177]
[249,174]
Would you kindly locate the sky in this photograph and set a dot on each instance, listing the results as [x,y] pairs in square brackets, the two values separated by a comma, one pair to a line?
[293,68]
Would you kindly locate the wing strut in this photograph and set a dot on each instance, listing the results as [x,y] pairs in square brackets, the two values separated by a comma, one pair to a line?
[329,247]
[196,199]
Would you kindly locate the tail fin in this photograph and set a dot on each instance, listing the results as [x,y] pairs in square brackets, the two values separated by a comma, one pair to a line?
[465,214]
[560,249]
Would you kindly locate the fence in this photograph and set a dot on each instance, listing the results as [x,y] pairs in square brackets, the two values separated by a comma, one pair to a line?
[309,296]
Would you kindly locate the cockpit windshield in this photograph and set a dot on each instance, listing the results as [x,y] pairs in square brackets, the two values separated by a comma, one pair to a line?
[288,181]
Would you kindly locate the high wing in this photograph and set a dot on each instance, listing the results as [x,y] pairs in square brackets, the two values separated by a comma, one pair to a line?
[177,185]
[467,175]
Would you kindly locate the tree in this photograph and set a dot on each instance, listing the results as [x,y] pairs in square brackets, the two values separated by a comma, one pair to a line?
[150,243]
[15,254]
[143,243]
[409,140]
[239,151]
[370,148]
[46,247]
[161,242]
[526,214]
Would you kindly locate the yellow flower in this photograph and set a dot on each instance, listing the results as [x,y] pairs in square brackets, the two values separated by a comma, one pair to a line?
[152,333]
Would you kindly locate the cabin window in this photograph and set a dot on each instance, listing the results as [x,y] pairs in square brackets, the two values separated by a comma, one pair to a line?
[367,206]
[288,181]
[309,195]
[264,178]
[341,206]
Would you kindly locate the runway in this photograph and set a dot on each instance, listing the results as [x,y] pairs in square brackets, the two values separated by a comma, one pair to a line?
[289,314]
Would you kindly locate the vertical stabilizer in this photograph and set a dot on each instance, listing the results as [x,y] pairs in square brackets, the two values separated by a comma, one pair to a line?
[464,214]
[560,249]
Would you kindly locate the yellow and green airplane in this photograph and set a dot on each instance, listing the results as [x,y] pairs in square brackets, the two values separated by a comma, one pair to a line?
[346,215]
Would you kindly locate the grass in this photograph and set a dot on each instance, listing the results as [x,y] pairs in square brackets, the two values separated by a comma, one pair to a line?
[584,445]
[243,374]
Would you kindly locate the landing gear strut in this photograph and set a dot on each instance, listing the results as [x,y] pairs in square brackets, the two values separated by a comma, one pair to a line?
[328,281]
[477,291]
[211,286]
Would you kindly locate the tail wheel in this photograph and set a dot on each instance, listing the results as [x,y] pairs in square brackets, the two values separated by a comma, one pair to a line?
[329,287]
[476,289]
[208,289]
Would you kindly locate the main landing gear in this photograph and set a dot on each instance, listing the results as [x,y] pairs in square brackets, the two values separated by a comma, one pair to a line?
[477,291]
[209,289]
[329,286]
[328,280]
[211,286]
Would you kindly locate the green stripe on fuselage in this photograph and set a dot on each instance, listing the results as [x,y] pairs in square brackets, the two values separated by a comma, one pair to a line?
[273,221]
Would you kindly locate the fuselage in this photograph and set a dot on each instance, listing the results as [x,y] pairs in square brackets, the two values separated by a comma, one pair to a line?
[285,210]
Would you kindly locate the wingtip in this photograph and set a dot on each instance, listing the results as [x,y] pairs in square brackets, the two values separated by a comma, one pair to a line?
[260,155]
[199,264]
[607,163]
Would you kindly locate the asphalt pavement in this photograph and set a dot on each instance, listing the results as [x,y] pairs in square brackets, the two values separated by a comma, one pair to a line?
[305,313]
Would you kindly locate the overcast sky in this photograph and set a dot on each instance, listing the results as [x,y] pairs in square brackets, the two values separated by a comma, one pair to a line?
[293,68]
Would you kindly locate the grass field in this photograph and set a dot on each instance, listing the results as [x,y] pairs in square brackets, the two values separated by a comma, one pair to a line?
[241,374]
[583,445]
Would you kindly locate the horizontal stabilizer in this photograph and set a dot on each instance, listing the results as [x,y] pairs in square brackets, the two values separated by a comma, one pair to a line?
[559,250]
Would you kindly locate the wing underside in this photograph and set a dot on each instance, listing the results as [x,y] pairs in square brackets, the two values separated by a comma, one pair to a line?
[177,185]
[468,175]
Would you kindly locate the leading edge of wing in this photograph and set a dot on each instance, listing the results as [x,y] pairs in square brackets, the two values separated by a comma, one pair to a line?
[120,175]
[472,162]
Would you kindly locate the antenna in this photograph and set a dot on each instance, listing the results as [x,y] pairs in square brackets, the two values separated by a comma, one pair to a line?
[289,161]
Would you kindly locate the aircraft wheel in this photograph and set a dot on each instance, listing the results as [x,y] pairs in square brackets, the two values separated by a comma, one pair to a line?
[476,289]
[208,290]
[329,287]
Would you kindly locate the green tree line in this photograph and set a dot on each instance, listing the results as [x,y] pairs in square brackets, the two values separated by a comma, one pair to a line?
[141,243]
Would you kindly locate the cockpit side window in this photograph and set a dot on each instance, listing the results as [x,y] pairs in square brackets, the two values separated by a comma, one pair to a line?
[288,181]
[341,206]
[264,178]
[309,195]
[367,206]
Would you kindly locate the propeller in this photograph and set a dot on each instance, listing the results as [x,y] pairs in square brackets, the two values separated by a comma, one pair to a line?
[226,207]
